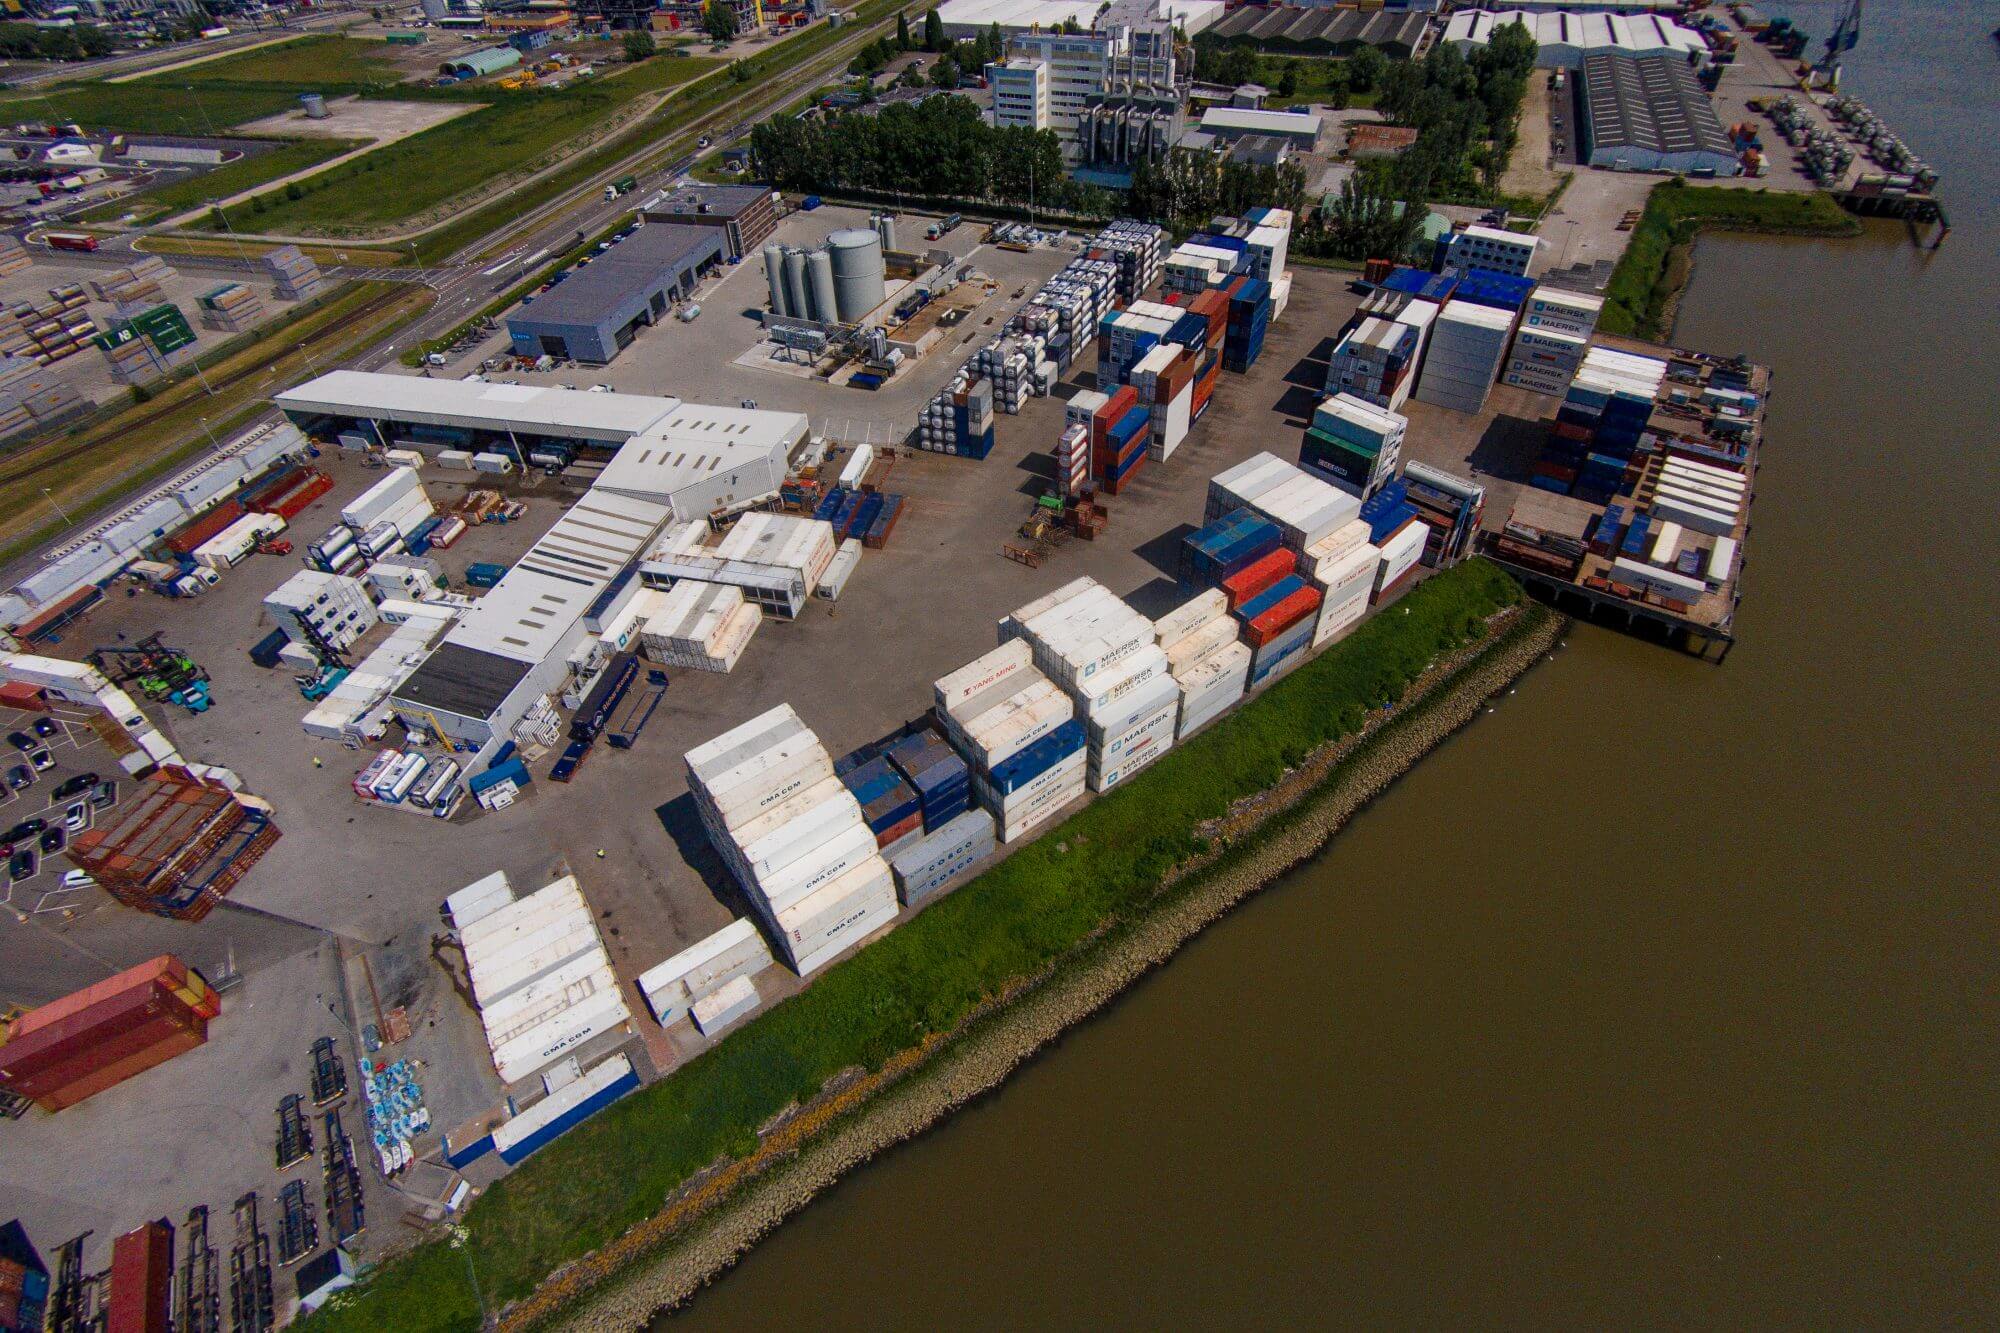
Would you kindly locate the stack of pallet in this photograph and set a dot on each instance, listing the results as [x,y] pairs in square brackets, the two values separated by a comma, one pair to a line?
[297,276]
[14,256]
[138,281]
[32,399]
[176,845]
[231,308]
[48,330]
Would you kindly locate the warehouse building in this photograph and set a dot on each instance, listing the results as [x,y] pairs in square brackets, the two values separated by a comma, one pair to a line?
[969,18]
[1648,113]
[596,312]
[1565,39]
[744,213]
[1323,30]
[1224,125]
[475,64]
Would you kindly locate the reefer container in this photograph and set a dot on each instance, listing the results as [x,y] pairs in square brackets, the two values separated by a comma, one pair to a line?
[928,865]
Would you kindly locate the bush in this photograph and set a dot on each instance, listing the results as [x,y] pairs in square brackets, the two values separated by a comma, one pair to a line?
[1009,923]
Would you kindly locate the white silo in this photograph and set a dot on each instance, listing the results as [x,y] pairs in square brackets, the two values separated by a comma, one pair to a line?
[885,227]
[774,273]
[859,278]
[796,298]
[819,285]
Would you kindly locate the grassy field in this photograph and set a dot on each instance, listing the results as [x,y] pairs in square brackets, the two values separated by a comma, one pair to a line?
[425,170]
[1640,298]
[129,449]
[1008,924]
[311,64]
[234,178]
[231,248]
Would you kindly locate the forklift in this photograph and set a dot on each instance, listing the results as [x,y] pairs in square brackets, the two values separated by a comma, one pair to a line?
[160,673]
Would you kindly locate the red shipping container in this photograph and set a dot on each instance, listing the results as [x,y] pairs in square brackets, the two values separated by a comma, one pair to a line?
[901,829]
[1123,401]
[293,501]
[1112,485]
[273,487]
[19,694]
[1258,575]
[142,1280]
[92,1084]
[139,978]
[24,1052]
[1301,604]
[66,1064]
[208,525]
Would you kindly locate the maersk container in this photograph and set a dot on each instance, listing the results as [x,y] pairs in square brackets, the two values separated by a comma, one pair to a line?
[1159,692]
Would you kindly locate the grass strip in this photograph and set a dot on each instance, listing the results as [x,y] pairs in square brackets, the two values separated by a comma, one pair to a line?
[1655,267]
[233,178]
[1005,926]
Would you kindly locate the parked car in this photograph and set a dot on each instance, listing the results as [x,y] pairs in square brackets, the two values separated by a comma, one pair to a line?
[105,796]
[24,864]
[76,818]
[75,786]
[21,741]
[78,879]
[20,777]
[46,727]
[24,830]
[572,757]
[42,760]
[53,841]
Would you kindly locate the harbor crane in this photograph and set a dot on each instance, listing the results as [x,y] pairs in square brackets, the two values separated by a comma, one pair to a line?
[1846,34]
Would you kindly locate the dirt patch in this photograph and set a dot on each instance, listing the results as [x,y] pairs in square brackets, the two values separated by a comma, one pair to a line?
[1529,173]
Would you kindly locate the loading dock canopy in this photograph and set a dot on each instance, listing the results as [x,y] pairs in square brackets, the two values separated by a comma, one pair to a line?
[611,418]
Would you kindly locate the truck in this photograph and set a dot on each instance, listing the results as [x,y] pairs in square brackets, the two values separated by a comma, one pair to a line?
[604,698]
[70,240]
[629,718]
[623,185]
[943,227]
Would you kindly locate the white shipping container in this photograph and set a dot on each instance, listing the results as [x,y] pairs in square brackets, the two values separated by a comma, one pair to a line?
[811,922]
[373,504]
[933,861]
[1161,694]
[798,836]
[534,1051]
[1400,550]
[732,1002]
[1192,648]
[1059,777]
[1189,616]
[1134,752]
[997,733]
[870,918]
[982,674]
[1108,694]
[826,863]
[482,897]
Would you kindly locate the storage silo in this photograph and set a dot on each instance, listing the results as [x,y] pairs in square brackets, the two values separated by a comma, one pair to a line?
[859,278]
[315,105]
[819,280]
[885,227]
[795,284]
[774,273]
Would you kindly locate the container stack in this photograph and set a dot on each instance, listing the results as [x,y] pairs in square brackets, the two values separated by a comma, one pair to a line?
[933,769]
[1123,339]
[700,626]
[337,552]
[1225,545]
[1072,453]
[14,256]
[289,492]
[231,308]
[1303,507]
[959,421]
[296,275]
[141,281]
[1009,365]
[1268,242]
[33,399]
[1202,262]
[1592,448]
[1450,505]
[48,331]
[1376,360]
[1468,345]
[1164,382]
[1136,250]
[793,835]
[942,855]
[73,1048]
[399,500]
[145,343]
[237,542]
[1207,659]
[1103,654]
[889,804]
[672,988]
[1402,554]
[176,845]
[329,611]
[1353,444]
[407,578]
[540,976]
[24,1292]
[1019,735]
[1342,565]
[1249,317]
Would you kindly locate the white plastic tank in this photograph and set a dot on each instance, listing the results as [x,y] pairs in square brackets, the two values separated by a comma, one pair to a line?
[885,227]
[796,299]
[774,273]
[819,281]
[859,278]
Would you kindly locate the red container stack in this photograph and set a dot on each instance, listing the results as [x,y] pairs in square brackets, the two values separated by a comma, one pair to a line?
[1258,576]
[142,1280]
[1296,605]
[80,1045]
[288,497]
[208,525]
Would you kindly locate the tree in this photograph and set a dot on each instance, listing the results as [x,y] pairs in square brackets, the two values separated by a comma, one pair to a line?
[719,18]
[996,45]
[1288,81]
[639,46]
[902,31]
[911,77]
[1366,67]
[933,31]
[944,74]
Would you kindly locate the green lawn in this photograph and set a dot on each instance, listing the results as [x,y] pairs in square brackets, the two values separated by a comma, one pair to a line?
[179,196]
[311,63]
[1010,923]
[513,130]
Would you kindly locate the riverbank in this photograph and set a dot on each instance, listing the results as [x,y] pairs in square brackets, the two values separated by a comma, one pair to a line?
[663,1263]
[1645,289]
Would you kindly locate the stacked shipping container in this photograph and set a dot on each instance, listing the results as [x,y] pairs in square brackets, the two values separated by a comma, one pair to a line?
[1018,733]
[63,1052]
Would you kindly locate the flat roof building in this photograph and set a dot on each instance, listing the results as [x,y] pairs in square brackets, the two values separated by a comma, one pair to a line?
[745,213]
[969,18]
[1491,250]
[599,309]
[1225,124]
[1648,113]
[1565,39]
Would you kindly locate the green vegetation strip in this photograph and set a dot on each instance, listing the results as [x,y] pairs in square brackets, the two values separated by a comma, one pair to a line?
[231,179]
[1007,925]
[1644,287]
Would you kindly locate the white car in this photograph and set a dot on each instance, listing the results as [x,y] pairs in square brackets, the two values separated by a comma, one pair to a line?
[78,879]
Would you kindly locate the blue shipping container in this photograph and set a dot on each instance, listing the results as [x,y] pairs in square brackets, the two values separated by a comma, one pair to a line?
[1031,762]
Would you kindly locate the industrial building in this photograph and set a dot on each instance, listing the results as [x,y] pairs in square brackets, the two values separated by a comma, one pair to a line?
[1648,113]
[968,18]
[600,308]
[1479,249]
[744,213]
[1073,83]
[474,64]
[1564,39]
[497,668]
[838,283]
[1316,30]
[1224,125]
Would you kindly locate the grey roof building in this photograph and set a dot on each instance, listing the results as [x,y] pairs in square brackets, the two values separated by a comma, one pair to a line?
[600,308]
[745,213]
[1648,113]
[1324,31]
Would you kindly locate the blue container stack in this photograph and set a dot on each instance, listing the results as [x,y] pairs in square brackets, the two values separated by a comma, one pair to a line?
[972,420]
[888,803]
[862,518]
[1189,331]
[1129,436]
[1249,317]
[1429,286]
[1634,544]
[1502,291]
[942,781]
[1031,761]
[1231,543]
[1387,510]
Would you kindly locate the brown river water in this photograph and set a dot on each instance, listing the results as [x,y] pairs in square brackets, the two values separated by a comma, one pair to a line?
[1665,994]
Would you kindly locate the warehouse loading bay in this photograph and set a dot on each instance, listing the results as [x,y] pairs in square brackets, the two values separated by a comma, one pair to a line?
[341,920]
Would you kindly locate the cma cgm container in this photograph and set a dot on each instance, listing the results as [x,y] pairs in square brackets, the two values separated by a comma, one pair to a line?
[142,1280]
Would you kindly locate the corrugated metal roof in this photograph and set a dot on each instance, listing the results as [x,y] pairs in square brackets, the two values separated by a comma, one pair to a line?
[1241,120]
[696,441]
[610,417]
[1651,103]
[645,259]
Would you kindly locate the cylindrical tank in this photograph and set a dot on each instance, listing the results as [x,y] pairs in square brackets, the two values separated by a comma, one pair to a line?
[774,273]
[314,104]
[819,281]
[887,228]
[796,299]
[858,275]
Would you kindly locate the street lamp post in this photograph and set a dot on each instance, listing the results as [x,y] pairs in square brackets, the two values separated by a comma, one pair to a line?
[50,497]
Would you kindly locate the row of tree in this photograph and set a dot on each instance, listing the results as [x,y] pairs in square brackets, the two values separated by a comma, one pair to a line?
[1465,112]
[1237,61]
[1187,187]
[940,148]
[25,41]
